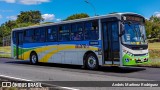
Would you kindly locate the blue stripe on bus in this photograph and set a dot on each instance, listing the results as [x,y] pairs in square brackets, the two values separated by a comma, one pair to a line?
[34,45]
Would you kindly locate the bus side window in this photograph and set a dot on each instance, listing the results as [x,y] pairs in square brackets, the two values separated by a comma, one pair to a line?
[91,30]
[77,32]
[40,35]
[37,35]
[64,33]
[28,36]
[52,34]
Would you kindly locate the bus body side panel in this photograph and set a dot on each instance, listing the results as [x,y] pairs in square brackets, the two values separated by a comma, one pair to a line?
[72,52]
[65,52]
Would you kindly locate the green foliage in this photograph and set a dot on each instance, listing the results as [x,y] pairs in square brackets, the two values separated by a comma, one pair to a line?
[153,27]
[25,19]
[47,23]
[155,19]
[29,17]
[148,26]
[77,16]
[10,24]
[1,41]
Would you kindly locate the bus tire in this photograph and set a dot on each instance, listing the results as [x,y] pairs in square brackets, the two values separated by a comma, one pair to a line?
[92,61]
[33,58]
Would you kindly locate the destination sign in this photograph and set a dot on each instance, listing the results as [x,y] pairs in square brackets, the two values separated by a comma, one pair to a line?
[133,18]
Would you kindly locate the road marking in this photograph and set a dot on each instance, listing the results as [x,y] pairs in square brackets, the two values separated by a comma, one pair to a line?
[21,79]
[4,76]
[69,88]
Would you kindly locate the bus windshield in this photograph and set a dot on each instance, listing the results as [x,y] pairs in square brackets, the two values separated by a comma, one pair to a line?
[134,34]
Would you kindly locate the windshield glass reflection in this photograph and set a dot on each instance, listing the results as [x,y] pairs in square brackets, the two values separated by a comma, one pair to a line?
[134,34]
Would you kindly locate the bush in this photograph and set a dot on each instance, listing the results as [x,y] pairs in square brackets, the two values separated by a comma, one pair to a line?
[153,40]
[156,39]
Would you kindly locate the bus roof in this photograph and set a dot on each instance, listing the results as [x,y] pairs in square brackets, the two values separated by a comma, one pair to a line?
[78,20]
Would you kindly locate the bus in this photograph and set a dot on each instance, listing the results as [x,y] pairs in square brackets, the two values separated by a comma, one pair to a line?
[117,39]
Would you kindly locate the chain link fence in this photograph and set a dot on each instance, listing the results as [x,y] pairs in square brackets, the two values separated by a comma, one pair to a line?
[5,49]
[6,41]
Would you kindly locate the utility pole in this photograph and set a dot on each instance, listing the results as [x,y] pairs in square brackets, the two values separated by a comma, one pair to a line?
[91,6]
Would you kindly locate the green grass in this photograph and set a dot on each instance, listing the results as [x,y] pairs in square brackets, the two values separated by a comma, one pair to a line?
[5,51]
[154,46]
[154,50]
[154,54]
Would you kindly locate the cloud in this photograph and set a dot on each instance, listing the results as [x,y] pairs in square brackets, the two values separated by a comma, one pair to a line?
[157,14]
[26,2]
[33,2]
[147,18]
[12,17]
[9,1]
[58,19]
[48,17]
[6,10]
[0,16]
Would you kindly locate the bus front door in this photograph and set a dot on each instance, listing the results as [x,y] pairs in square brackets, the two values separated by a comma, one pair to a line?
[111,47]
[19,45]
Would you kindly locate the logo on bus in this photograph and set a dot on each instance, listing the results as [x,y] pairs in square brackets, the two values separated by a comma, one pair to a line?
[82,46]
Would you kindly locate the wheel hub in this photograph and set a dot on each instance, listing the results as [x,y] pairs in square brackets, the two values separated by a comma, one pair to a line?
[91,62]
[34,58]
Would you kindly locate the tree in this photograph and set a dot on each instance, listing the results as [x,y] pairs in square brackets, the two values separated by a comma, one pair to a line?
[155,19]
[25,19]
[77,16]
[10,24]
[29,17]
[5,30]
[153,27]
[148,26]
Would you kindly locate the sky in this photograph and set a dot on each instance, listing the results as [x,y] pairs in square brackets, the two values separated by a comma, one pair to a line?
[57,10]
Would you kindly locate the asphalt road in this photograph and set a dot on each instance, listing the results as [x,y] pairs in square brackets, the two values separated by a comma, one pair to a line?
[59,72]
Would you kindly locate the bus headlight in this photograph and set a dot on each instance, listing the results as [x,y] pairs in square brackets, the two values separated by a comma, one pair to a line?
[147,54]
[130,54]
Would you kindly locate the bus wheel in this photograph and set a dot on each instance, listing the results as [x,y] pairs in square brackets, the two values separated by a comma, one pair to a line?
[92,61]
[33,58]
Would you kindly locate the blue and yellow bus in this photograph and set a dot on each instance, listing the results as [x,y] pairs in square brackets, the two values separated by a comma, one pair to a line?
[117,39]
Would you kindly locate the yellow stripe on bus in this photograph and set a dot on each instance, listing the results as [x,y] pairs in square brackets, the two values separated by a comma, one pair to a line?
[60,48]
[26,55]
